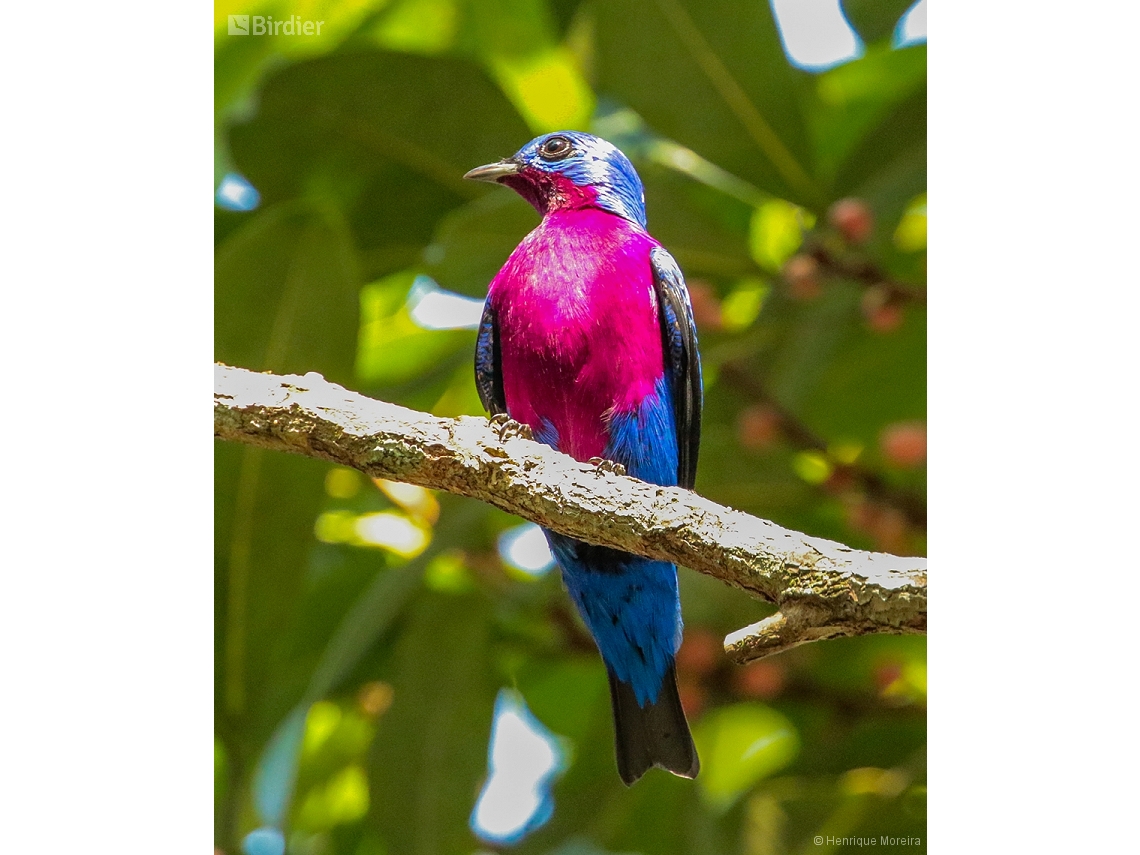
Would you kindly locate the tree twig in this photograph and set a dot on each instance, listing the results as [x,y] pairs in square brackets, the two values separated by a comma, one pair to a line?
[822,589]
[865,273]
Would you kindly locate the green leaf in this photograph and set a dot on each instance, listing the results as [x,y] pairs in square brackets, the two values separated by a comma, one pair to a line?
[870,132]
[855,98]
[875,19]
[705,229]
[383,600]
[221,783]
[285,293]
[807,336]
[238,66]
[870,381]
[739,745]
[240,62]
[340,800]
[888,168]
[285,300]
[910,236]
[712,75]
[517,40]
[265,505]
[393,347]
[362,622]
[777,232]
[363,625]
[431,749]
[417,26]
[563,694]
[386,137]
[661,814]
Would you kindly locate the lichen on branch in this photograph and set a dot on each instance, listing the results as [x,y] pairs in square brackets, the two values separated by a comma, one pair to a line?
[821,588]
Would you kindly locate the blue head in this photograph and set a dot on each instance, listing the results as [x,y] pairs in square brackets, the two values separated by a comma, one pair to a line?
[570,169]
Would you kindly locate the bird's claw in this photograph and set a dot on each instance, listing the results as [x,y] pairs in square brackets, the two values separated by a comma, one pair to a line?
[508,428]
[605,465]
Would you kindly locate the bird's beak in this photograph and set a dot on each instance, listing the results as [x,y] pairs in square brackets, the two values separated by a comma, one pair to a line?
[492,172]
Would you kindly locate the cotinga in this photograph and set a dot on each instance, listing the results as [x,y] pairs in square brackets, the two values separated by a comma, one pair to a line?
[587,338]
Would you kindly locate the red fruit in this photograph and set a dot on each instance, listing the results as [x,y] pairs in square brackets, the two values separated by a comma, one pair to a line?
[887,672]
[886,319]
[904,443]
[374,698]
[758,426]
[887,526]
[706,306]
[801,266]
[804,291]
[880,310]
[853,219]
[700,652]
[802,275]
[890,531]
[863,515]
[763,679]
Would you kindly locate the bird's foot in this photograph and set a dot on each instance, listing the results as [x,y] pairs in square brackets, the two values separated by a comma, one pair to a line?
[508,428]
[605,465]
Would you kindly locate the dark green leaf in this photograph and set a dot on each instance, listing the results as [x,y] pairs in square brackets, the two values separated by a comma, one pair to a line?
[875,20]
[387,136]
[871,382]
[265,506]
[286,293]
[431,750]
[857,97]
[705,229]
[888,167]
[712,76]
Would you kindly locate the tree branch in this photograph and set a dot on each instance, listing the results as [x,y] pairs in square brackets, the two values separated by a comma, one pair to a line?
[822,589]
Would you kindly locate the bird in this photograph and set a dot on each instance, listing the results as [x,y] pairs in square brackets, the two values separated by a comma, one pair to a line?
[587,342]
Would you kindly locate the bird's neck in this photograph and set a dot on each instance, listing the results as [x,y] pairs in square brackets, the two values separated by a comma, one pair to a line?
[552,192]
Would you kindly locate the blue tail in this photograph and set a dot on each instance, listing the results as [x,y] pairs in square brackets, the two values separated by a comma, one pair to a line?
[631,607]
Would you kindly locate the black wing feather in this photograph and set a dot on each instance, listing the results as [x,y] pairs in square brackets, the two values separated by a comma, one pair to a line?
[489,364]
[682,360]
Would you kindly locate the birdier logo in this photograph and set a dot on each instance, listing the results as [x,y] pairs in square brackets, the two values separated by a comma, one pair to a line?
[264,25]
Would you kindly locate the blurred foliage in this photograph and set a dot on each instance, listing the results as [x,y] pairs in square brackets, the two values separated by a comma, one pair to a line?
[362,630]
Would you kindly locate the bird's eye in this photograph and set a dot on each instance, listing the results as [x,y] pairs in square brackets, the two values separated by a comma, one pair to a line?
[555,148]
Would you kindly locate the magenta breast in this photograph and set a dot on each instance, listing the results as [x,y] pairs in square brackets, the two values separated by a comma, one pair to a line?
[578,327]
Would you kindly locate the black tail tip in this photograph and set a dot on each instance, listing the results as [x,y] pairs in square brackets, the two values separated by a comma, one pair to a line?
[654,735]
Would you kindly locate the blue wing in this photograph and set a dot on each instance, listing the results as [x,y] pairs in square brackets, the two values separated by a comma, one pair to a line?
[489,364]
[682,360]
